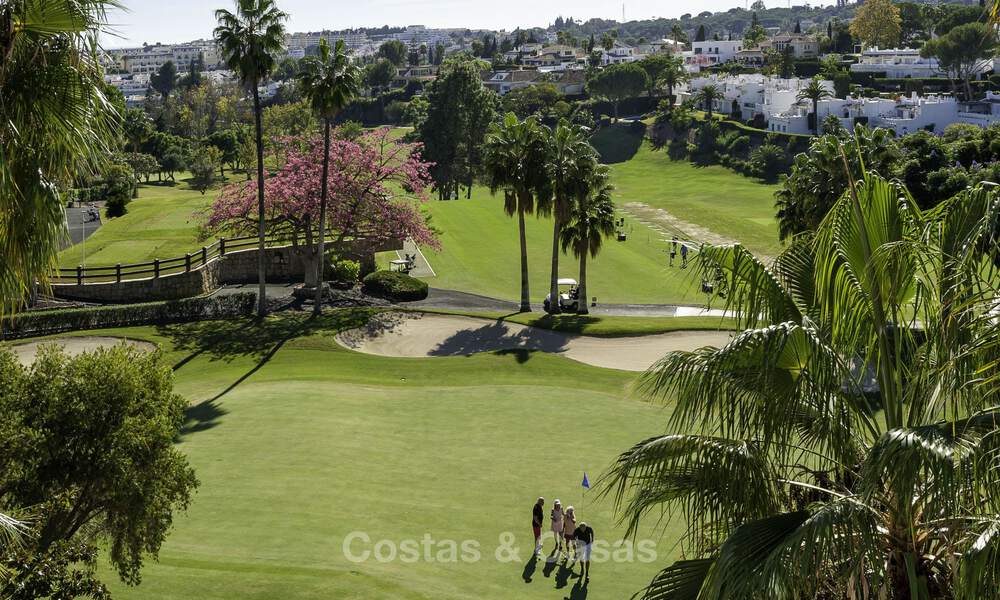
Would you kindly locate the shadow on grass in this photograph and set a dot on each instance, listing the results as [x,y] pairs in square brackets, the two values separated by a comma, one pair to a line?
[230,339]
[496,337]
[564,323]
[529,569]
[618,143]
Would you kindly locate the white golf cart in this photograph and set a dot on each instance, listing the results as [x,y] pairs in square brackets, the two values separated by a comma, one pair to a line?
[569,296]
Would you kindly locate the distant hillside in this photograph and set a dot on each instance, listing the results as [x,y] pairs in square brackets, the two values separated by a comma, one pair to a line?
[734,21]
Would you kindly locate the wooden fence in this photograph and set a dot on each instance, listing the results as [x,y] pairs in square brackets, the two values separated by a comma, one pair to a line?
[169,266]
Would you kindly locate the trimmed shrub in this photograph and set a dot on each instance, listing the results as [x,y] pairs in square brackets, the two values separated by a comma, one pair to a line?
[397,287]
[46,322]
[344,270]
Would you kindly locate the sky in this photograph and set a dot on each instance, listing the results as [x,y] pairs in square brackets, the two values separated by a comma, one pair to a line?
[172,21]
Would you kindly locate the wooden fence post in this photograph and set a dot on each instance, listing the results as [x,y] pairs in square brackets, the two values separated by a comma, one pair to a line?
[187,262]
[118,273]
[204,255]
[156,268]
[222,246]
[79,274]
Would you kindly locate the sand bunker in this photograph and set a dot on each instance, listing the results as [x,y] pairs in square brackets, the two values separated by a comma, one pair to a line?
[75,345]
[415,335]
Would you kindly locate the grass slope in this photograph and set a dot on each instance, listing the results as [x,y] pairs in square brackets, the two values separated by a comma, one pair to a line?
[163,222]
[298,442]
[480,254]
[712,197]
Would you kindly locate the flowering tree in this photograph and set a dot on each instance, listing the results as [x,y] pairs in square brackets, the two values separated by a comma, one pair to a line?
[376,185]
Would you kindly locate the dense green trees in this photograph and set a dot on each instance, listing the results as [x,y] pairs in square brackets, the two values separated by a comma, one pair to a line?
[818,178]
[394,51]
[55,125]
[164,80]
[89,445]
[847,441]
[250,40]
[877,24]
[619,82]
[964,52]
[459,112]
[330,81]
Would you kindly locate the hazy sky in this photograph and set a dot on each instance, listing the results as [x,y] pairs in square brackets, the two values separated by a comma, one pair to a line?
[184,20]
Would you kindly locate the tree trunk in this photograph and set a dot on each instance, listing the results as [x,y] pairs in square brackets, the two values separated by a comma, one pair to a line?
[581,306]
[816,117]
[554,307]
[615,106]
[525,295]
[261,259]
[321,246]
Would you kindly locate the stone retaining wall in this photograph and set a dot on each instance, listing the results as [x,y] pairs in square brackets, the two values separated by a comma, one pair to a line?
[284,265]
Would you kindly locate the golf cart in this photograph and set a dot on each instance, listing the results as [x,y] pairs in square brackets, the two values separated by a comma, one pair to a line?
[569,296]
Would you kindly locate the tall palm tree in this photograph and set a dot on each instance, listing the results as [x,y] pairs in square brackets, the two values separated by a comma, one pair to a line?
[707,97]
[847,443]
[572,159]
[330,81]
[673,76]
[515,159]
[250,40]
[55,125]
[591,220]
[814,92]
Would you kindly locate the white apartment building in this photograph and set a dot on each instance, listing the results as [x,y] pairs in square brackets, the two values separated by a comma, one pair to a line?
[714,52]
[302,40]
[897,63]
[149,59]
[416,35]
[746,96]
[906,115]
[620,53]
[129,85]
[802,46]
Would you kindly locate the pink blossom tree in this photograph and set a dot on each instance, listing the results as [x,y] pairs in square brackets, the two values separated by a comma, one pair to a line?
[376,185]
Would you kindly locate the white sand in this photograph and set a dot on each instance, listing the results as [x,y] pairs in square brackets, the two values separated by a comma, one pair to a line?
[415,335]
[75,345]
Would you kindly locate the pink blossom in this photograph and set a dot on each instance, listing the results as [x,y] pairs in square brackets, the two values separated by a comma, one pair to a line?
[376,186]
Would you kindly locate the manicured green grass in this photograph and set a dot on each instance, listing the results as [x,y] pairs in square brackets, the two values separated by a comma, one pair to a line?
[163,222]
[712,197]
[480,254]
[298,442]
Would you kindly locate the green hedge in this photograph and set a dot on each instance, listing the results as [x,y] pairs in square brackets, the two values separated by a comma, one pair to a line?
[394,286]
[47,322]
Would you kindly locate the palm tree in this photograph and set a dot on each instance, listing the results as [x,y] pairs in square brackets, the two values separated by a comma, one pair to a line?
[814,92]
[515,158]
[250,41]
[330,81]
[707,97]
[55,125]
[847,443]
[572,159]
[673,76]
[592,219]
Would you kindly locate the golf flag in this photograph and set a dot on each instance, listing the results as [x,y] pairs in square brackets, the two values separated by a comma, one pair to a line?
[585,483]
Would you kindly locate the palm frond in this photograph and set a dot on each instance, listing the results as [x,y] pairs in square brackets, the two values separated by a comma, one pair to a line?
[682,580]
[714,482]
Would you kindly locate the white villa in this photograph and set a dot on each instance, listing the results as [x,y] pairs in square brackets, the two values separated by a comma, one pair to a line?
[906,115]
[897,63]
[746,96]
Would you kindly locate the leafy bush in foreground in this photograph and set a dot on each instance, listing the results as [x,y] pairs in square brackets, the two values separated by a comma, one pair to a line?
[397,287]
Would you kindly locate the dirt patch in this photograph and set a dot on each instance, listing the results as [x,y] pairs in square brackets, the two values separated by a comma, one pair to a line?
[414,335]
[667,225]
[75,345]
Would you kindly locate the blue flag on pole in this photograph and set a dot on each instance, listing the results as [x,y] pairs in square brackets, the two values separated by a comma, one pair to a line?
[585,483]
